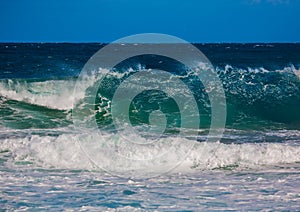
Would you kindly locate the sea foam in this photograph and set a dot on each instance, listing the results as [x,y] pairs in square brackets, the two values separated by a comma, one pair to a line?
[87,152]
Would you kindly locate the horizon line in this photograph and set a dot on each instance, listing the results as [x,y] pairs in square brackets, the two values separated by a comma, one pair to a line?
[97,42]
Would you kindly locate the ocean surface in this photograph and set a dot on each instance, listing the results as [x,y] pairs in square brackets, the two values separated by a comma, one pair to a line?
[51,157]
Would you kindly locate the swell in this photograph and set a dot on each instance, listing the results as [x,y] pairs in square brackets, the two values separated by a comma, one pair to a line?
[270,95]
[255,98]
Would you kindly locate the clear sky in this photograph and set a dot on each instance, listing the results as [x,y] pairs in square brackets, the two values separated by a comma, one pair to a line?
[107,20]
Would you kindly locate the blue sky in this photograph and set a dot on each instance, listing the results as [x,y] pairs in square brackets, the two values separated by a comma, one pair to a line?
[108,20]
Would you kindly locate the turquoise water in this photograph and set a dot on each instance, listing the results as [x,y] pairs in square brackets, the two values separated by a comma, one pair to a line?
[60,150]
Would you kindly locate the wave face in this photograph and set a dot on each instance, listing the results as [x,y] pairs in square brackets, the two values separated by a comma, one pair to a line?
[261,85]
[252,96]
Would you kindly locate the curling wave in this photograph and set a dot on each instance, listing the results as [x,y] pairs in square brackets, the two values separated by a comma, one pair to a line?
[251,94]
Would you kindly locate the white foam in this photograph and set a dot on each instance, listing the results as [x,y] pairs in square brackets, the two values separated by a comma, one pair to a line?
[53,94]
[297,72]
[56,94]
[64,152]
[288,69]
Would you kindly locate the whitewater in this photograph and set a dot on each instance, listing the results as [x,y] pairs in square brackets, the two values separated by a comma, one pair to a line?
[54,159]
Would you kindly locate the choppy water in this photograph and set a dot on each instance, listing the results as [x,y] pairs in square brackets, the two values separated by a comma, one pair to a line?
[48,163]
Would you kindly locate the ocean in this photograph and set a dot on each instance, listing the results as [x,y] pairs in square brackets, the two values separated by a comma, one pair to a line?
[64,145]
